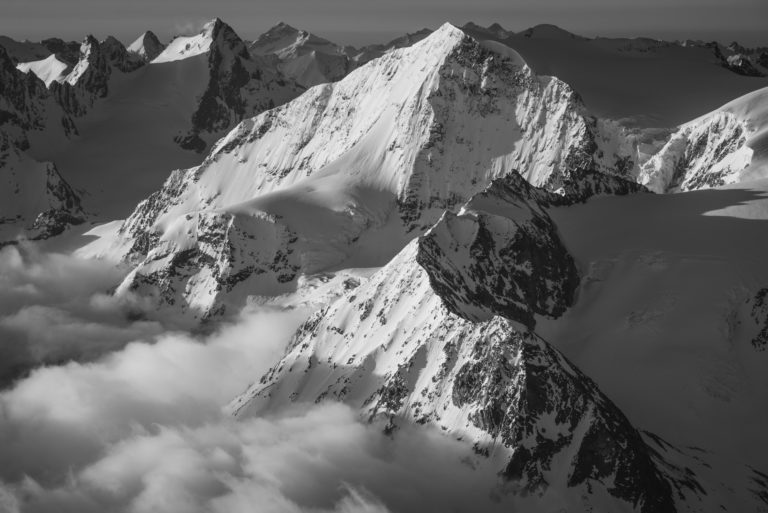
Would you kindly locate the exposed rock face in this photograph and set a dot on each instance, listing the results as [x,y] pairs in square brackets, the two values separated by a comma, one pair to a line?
[34,199]
[240,86]
[433,338]
[422,341]
[119,57]
[66,51]
[738,59]
[502,257]
[26,106]
[760,316]
[87,82]
[219,251]
[719,148]
[740,64]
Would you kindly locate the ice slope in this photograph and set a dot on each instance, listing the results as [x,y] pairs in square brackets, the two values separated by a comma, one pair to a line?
[443,336]
[147,46]
[48,70]
[728,145]
[385,150]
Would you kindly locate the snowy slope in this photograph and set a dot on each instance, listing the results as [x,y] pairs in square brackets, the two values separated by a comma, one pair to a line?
[48,70]
[728,145]
[443,336]
[385,150]
[184,47]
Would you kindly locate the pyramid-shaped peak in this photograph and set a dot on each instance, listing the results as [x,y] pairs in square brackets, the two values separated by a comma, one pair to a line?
[444,39]
[147,45]
[449,30]
[217,29]
[283,27]
[497,27]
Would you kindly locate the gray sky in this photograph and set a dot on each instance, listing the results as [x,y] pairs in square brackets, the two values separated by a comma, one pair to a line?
[366,21]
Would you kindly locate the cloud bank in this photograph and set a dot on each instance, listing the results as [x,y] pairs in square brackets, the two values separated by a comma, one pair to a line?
[116,413]
[55,308]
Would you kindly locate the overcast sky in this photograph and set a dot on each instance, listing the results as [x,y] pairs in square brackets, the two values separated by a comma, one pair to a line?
[366,21]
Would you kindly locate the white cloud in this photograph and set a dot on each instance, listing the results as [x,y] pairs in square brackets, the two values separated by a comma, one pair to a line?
[56,307]
[132,419]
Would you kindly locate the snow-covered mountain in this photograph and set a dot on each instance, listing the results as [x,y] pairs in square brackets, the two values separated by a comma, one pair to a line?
[726,146]
[381,153]
[50,69]
[444,336]
[28,109]
[80,82]
[239,85]
[305,57]
[185,101]
[147,46]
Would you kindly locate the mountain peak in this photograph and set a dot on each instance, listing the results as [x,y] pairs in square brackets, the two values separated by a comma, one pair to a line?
[211,26]
[89,42]
[213,32]
[283,27]
[497,27]
[448,29]
[147,46]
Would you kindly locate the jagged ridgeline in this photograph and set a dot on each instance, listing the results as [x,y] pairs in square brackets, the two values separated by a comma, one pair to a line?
[382,153]
[45,104]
